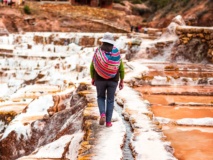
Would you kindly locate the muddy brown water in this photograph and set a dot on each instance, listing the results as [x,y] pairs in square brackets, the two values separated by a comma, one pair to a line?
[182,112]
[189,142]
[169,99]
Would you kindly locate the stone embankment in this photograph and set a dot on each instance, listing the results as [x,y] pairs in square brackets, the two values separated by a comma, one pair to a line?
[195,43]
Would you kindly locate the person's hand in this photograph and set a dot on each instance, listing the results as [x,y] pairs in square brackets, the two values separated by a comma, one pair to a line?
[93,82]
[121,85]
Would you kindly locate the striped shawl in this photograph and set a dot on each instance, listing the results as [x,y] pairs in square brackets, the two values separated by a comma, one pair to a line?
[106,64]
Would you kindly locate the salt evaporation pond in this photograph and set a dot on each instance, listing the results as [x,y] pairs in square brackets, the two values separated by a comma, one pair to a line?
[33,69]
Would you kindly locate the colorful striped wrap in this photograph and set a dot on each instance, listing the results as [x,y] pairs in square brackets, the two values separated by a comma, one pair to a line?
[106,64]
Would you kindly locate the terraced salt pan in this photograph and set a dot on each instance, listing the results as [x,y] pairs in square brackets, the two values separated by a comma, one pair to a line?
[14,106]
[134,69]
[33,91]
[201,129]
[180,99]
[7,46]
[161,80]
[146,140]
[144,129]
[183,109]
[4,89]
[197,141]
[57,148]
[179,112]
[77,36]
[36,110]
[208,121]
[175,89]
[36,88]
[27,38]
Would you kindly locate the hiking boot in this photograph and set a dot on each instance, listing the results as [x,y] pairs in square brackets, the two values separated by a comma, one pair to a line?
[108,124]
[102,119]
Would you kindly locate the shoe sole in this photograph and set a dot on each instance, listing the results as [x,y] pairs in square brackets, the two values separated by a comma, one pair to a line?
[102,120]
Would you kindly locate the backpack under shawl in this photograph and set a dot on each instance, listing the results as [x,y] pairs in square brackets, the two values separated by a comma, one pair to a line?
[106,64]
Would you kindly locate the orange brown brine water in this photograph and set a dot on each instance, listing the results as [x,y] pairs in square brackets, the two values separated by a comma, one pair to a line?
[189,142]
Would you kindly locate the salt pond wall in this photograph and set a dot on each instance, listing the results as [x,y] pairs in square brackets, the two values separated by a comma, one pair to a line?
[81,39]
[195,43]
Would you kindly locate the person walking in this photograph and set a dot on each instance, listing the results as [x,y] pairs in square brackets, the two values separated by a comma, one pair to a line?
[106,69]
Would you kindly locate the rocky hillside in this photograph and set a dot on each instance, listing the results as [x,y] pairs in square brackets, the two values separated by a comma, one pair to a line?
[63,17]
[158,13]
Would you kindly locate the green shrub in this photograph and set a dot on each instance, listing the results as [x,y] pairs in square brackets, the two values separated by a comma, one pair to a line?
[27,9]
